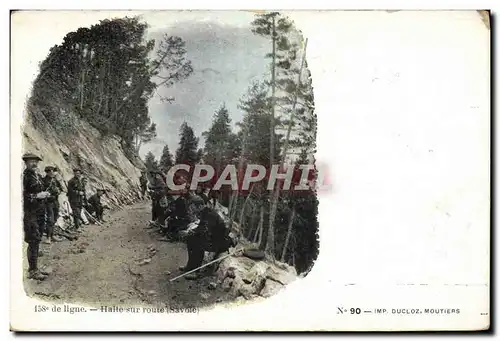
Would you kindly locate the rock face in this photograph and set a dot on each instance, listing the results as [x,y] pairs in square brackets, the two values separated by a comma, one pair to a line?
[242,276]
[101,159]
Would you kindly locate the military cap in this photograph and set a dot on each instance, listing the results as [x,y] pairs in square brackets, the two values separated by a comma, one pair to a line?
[49,169]
[77,170]
[197,200]
[31,156]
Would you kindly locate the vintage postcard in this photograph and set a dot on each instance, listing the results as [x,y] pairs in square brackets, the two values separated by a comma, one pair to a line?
[250,170]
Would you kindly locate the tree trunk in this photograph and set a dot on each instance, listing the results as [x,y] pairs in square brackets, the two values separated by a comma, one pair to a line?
[82,78]
[230,206]
[258,233]
[101,90]
[269,247]
[261,225]
[82,88]
[288,234]
[251,224]
[234,206]
[240,170]
[276,193]
[273,94]
[138,144]
[244,205]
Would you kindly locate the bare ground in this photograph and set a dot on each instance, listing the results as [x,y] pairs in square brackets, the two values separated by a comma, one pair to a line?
[102,268]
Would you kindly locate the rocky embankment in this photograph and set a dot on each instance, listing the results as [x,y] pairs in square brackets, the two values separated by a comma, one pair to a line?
[242,276]
[249,278]
[101,159]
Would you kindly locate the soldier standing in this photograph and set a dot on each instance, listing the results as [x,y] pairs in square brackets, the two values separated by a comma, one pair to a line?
[34,213]
[158,191]
[76,196]
[144,183]
[58,180]
[52,186]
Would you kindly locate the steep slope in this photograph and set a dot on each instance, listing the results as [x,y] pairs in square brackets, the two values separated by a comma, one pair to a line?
[101,159]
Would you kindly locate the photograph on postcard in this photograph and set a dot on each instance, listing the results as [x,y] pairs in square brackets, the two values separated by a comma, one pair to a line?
[250,170]
[170,165]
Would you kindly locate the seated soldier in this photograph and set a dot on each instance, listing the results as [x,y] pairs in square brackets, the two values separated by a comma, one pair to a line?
[177,210]
[211,235]
[177,215]
[95,206]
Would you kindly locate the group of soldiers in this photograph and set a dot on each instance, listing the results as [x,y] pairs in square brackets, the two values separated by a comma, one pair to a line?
[188,216]
[184,215]
[41,207]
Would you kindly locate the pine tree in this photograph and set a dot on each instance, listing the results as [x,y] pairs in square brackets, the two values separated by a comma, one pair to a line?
[199,155]
[255,139]
[150,162]
[187,153]
[105,75]
[144,135]
[276,27]
[218,138]
[166,160]
[289,92]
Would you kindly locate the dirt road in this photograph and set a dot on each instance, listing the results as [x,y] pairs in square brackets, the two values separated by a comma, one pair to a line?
[102,267]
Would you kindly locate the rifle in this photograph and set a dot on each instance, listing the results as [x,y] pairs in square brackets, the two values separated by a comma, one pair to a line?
[91,216]
[54,191]
[207,264]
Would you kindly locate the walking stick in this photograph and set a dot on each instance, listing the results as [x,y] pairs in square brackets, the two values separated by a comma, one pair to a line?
[205,265]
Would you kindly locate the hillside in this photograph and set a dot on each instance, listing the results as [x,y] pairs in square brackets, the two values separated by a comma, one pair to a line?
[101,159]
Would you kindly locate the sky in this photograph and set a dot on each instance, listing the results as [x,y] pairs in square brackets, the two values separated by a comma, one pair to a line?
[226,59]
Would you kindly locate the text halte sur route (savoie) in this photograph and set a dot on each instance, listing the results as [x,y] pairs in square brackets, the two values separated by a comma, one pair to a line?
[114,309]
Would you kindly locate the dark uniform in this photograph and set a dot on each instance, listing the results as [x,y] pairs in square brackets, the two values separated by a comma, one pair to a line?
[52,203]
[210,235]
[34,215]
[144,184]
[95,205]
[60,186]
[76,199]
[158,188]
[178,215]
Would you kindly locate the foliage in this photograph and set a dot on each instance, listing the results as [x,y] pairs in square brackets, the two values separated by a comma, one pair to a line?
[150,162]
[187,153]
[284,103]
[220,142]
[105,74]
[166,160]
